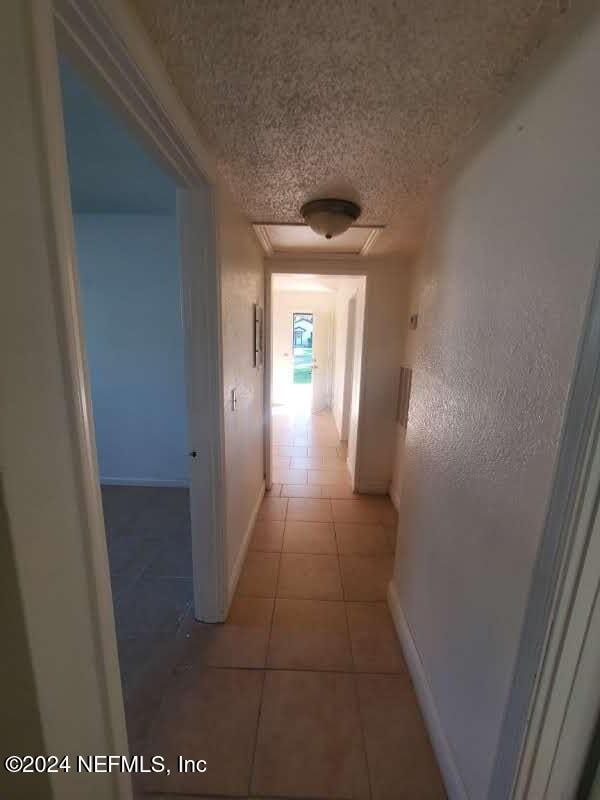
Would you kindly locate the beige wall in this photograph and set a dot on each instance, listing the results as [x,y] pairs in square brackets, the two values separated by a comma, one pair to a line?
[340,343]
[385,330]
[410,302]
[503,287]
[358,408]
[344,377]
[242,285]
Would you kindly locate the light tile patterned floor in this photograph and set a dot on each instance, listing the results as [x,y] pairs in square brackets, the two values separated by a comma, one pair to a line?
[308,460]
[303,692]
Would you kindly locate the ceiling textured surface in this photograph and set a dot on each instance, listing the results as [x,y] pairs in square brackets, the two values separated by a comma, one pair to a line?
[361,98]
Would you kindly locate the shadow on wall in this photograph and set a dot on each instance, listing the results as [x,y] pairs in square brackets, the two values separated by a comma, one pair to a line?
[20,724]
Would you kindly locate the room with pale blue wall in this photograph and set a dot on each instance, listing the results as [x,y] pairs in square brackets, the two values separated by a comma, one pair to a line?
[130,286]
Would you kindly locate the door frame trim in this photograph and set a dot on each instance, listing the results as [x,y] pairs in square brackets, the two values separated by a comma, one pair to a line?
[113,50]
[110,46]
[348,367]
[560,629]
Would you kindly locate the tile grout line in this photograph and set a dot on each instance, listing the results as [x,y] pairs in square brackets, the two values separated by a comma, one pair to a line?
[345,609]
[257,729]
[313,599]
[275,593]
[375,673]
[264,671]
[354,675]
[362,731]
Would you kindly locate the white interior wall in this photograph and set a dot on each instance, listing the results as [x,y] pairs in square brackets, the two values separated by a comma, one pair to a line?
[343,360]
[501,293]
[357,390]
[406,347]
[398,470]
[349,376]
[340,324]
[385,331]
[242,285]
[130,289]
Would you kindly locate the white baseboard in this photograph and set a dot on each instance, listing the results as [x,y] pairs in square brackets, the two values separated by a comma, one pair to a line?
[182,483]
[350,468]
[453,782]
[372,487]
[239,561]
[342,434]
[395,498]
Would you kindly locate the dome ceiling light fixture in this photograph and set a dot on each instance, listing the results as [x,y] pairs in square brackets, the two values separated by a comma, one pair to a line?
[330,217]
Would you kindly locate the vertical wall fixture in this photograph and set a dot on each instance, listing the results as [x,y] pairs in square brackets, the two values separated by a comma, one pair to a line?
[405,381]
[404,384]
[258,335]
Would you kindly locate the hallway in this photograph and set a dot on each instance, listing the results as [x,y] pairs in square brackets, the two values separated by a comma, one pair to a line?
[308,459]
[376,222]
[303,692]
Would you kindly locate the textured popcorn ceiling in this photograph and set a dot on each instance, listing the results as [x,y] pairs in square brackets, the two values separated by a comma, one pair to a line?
[363,98]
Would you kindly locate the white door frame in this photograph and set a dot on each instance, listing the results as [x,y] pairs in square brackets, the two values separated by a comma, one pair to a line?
[329,362]
[555,694]
[267,378]
[50,474]
[348,366]
[356,266]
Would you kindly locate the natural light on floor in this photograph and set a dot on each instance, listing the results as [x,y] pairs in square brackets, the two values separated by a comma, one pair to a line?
[298,403]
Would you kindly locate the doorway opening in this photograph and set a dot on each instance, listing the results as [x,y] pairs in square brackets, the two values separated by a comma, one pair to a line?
[299,391]
[302,332]
[316,328]
[128,265]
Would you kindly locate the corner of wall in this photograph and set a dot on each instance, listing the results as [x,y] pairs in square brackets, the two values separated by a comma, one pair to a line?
[234,575]
[395,497]
[242,274]
[453,782]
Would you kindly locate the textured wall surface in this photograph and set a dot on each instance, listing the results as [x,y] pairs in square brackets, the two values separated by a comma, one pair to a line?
[362,98]
[503,290]
[242,285]
[131,293]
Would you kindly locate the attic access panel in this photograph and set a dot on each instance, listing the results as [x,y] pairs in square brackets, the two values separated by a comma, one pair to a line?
[300,239]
